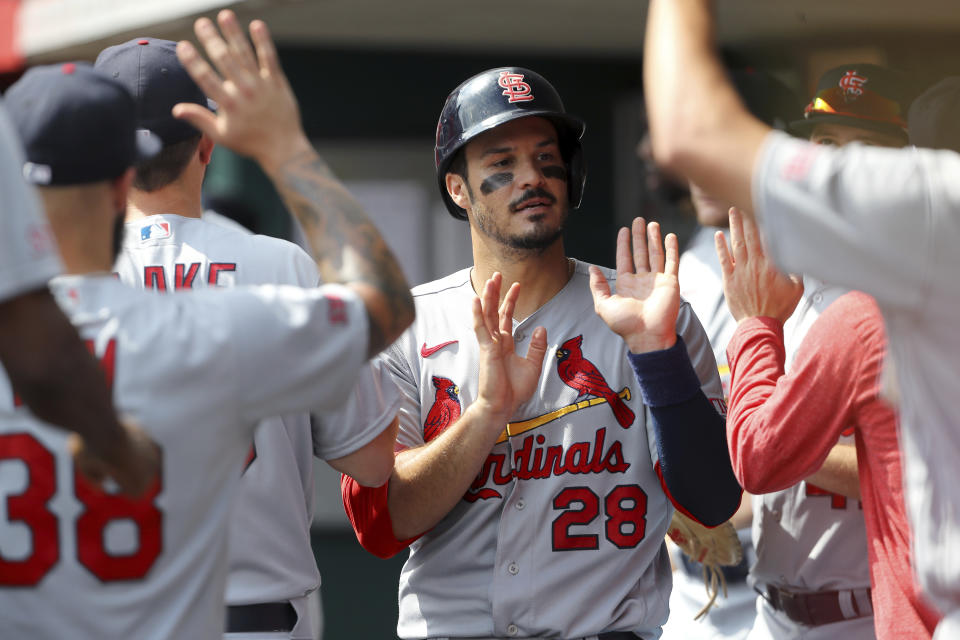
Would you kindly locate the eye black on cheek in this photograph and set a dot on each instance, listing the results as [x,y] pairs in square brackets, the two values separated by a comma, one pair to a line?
[555,171]
[496,181]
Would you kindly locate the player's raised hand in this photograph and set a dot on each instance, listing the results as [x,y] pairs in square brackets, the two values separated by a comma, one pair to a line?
[506,378]
[132,463]
[751,283]
[644,309]
[257,113]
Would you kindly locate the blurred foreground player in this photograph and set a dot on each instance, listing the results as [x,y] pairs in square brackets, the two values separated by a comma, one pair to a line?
[882,221]
[198,370]
[48,366]
[170,244]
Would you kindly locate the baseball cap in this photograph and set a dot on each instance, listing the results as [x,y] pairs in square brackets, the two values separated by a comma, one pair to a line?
[934,117]
[77,125]
[153,75]
[858,95]
[767,98]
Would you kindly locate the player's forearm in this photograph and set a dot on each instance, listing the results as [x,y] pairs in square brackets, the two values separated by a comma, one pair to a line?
[54,374]
[691,442]
[777,436]
[698,125]
[429,481]
[839,473]
[347,246]
[372,464]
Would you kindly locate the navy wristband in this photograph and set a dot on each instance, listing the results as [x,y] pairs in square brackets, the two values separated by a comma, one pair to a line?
[666,377]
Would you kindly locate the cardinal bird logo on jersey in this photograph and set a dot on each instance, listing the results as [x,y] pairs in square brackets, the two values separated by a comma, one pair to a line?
[445,409]
[580,374]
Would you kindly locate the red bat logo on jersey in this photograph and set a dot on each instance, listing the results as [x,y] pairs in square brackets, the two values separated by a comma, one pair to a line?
[579,373]
[445,409]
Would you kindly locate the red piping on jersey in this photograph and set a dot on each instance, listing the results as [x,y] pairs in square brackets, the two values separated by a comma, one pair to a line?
[676,505]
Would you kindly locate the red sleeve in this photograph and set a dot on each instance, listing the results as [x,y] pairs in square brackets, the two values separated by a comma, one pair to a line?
[369,514]
[780,428]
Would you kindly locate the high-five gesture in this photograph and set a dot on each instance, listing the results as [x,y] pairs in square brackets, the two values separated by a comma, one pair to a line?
[751,283]
[257,113]
[506,378]
[644,309]
[258,116]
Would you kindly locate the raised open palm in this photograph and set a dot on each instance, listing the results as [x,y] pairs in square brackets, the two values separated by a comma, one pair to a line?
[644,309]
[506,378]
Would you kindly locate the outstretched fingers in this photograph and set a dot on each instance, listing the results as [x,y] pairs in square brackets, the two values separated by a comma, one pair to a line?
[751,235]
[220,53]
[655,248]
[723,253]
[672,265]
[266,51]
[599,287]
[624,257]
[737,241]
[538,347]
[237,41]
[490,297]
[641,259]
[202,73]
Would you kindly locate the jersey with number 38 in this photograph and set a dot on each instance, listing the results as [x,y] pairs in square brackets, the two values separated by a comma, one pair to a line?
[561,534]
[197,371]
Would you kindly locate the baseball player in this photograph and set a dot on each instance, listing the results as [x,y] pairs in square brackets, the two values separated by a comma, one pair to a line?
[52,371]
[732,616]
[170,244]
[198,370]
[534,497]
[772,444]
[811,537]
[881,221]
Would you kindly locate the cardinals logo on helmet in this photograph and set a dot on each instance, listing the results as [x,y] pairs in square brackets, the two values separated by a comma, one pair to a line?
[514,87]
[445,409]
[579,373]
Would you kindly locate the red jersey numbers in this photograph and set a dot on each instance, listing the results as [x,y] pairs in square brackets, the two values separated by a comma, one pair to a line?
[625,507]
[29,508]
[837,501]
[34,546]
[29,512]
[184,275]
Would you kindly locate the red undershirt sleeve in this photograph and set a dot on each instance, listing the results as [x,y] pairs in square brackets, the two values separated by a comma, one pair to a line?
[780,428]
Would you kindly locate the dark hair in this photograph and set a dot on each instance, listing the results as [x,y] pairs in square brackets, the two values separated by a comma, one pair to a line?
[166,166]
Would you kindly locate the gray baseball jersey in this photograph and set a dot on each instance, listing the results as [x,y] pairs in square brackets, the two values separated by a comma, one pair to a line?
[732,617]
[28,253]
[271,558]
[561,534]
[887,222]
[192,370]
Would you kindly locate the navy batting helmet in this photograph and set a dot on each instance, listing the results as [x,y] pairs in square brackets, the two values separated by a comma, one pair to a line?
[494,97]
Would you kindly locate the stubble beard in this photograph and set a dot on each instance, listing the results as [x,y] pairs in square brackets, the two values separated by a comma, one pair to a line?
[535,241]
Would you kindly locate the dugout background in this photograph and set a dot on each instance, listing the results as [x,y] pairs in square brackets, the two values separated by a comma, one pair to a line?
[371,110]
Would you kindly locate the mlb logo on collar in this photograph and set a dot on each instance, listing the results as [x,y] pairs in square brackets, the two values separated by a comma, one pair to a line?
[155,231]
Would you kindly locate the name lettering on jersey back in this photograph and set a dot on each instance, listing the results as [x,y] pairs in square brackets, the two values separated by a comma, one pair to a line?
[536,460]
[184,275]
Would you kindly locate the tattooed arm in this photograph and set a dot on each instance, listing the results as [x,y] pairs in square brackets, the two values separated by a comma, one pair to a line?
[258,116]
